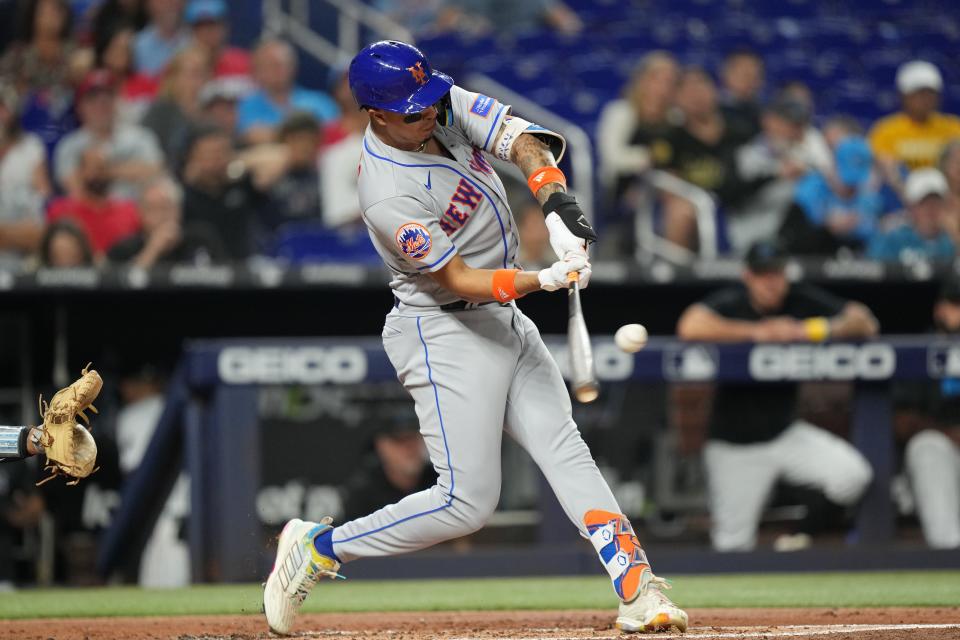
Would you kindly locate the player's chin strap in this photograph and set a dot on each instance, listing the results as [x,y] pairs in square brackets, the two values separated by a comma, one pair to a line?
[612,536]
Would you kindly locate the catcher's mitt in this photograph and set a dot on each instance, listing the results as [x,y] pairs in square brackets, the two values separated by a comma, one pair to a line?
[70,449]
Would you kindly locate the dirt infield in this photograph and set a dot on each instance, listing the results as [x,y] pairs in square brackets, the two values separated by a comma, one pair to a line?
[797,624]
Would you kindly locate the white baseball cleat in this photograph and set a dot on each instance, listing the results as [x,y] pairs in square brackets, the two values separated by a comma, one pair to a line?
[652,610]
[297,568]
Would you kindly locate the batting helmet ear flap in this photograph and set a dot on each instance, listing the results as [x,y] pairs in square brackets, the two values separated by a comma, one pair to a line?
[444,110]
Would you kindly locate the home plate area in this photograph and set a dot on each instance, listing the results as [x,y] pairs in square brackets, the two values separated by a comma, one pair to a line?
[791,631]
[926,623]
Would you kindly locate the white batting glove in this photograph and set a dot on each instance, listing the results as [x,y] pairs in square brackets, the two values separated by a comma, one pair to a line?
[555,276]
[561,238]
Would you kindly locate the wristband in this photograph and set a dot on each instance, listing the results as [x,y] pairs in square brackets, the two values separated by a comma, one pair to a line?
[504,285]
[818,329]
[544,176]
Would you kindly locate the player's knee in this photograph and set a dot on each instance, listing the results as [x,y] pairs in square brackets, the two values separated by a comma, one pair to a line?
[476,507]
[850,481]
[925,445]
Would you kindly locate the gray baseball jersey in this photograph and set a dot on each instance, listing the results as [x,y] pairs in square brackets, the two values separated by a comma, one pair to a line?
[421,209]
[473,373]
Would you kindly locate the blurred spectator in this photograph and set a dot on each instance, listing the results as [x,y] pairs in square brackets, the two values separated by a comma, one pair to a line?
[162,38]
[950,167]
[104,219]
[915,136]
[162,238]
[113,51]
[798,91]
[132,150]
[629,125]
[702,151]
[742,77]
[340,158]
[24,185]
[209,28]
[838,128]
[45,65]
[399,467]
[831,212]
[755,438]
[50,115]
[929,415]
[295,194]
[421,16]
[785,150]
[219,99]
[504,16]
[113,15]
[178,109]
[41,58]
[923,234]
[65,245]
[535,250]
[815,143]
[275,67]
[221,198]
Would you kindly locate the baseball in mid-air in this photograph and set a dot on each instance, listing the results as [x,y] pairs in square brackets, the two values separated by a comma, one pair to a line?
[631,337]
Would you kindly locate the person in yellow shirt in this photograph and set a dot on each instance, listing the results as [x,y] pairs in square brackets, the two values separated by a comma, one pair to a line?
[915,136]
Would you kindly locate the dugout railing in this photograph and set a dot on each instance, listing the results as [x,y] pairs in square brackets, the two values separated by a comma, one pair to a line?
[210,424]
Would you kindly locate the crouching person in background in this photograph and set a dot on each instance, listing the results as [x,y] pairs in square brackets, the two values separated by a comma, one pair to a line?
[754,436]
[929,415]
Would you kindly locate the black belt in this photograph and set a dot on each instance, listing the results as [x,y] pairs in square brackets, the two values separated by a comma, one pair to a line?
[459,305]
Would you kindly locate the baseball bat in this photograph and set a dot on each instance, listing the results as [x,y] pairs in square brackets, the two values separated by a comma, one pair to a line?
[583,375]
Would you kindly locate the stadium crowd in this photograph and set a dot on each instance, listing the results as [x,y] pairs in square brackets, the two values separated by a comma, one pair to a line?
[818,185]
[135,134]
[138,135]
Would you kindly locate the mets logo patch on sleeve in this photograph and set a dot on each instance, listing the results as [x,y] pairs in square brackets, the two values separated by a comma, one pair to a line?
[414,240]
[482,105]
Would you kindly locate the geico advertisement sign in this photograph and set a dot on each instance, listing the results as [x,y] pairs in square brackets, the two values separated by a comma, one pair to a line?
[304,365]
[823,362]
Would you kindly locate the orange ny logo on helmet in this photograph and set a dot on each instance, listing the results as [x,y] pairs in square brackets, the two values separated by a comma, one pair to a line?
[418,73]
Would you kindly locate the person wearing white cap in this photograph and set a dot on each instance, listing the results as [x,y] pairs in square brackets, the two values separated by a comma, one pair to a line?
[923,235]
[915,135]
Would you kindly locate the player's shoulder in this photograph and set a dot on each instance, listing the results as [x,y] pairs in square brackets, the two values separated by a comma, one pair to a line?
[386,214]
[470,107]
[475,103]
[379,175]
[727,301]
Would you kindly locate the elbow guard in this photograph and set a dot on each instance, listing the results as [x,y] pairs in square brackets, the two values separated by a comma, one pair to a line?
[511,130]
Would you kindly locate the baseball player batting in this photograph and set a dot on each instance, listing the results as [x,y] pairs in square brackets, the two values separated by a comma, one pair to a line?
[475,365]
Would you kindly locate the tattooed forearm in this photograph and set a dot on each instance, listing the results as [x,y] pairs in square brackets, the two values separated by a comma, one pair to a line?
[544,193]
[530,153]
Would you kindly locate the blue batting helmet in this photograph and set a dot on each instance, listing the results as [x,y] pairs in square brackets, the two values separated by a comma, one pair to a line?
[395,76]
